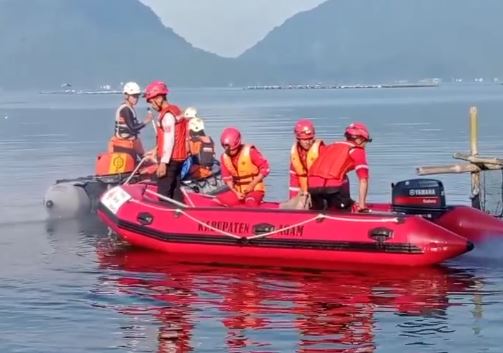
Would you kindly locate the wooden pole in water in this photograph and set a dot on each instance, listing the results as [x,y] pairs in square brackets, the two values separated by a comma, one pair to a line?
[474,151]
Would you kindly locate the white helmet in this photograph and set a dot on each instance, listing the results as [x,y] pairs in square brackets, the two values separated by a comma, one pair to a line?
[196,124]
[131,88]
[190,112]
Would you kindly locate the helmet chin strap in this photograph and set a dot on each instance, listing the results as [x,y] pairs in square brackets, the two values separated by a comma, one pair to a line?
[158,106]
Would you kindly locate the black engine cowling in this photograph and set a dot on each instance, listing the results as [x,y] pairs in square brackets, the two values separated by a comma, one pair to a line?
[418,196]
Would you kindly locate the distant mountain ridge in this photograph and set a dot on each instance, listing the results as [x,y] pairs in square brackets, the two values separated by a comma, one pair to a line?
[382,40]
[44,43]
[47,42]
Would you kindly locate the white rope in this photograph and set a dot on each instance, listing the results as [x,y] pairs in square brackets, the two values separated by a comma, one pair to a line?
[281,230]
[187,196]
[159,208]
[365,220]
[206,225]
[135,170]
[318,217]
[169,199]
[194,219]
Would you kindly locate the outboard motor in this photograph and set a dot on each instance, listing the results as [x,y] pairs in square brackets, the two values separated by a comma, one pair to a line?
[419,196]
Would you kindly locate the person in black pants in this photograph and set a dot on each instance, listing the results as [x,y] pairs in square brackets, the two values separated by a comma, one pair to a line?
[169,184]
[172,149]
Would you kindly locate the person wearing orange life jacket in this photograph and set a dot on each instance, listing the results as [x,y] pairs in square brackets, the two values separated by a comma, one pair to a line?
[327,177]
[302,155]
[172,149]
[201,146]
[127,128]
[243,170]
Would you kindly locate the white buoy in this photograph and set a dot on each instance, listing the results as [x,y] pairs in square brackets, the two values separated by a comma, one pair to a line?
[67,200]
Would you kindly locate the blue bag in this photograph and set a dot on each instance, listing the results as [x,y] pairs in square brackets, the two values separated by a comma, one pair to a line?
[187,164]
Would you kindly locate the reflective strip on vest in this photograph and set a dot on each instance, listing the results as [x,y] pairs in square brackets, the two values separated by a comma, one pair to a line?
[121,129]
[298,165]
[245,172]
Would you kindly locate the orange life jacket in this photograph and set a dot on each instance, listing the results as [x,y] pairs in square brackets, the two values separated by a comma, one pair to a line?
[302,167]
[197,172]
[114,163]
[245,171]
[335,161]
[202,148]
[180,148]
[132,147]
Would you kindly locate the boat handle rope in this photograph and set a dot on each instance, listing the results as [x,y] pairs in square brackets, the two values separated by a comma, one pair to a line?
[135,170]
[168,199]
[316,218]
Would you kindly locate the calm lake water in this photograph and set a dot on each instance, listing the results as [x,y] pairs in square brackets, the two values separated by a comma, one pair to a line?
[68,287]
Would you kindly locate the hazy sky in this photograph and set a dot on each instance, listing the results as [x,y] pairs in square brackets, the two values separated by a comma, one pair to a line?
[226,27]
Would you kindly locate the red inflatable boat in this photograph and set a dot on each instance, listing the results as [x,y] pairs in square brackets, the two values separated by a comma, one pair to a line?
[416,229]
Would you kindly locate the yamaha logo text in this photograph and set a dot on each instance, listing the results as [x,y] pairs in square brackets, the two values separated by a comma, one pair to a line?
[422,192]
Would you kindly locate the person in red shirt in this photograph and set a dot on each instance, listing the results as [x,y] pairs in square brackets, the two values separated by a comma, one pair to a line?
[172,149]
[327,177]
[243,170]
[302,156]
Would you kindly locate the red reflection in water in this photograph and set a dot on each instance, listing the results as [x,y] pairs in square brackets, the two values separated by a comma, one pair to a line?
[177,292]
[332,311]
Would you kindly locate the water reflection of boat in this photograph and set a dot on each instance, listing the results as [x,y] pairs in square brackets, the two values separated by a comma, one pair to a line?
[331,309]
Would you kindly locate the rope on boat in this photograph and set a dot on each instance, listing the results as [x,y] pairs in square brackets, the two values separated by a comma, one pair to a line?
[168,199]
[135,170]
[319,217]
[316,218]
[263,235]
[383,220]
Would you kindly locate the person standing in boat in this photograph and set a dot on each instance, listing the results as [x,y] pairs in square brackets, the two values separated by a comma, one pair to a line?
[127,127]
[201,146]
[302,155]
[172,149]
[243,170]
[327,177]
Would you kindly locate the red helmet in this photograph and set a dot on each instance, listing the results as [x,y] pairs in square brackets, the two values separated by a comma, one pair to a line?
[155,89]
[304,129]
[230,137]
[358,130]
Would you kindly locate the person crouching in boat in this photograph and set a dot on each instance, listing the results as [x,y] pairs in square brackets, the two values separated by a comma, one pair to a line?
[127,127]
[201,147]
[172,149]
[243,170]
[303,154]
[327,177]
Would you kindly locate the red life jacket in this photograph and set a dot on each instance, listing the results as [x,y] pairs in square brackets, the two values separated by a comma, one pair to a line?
[335,161]
[180,149]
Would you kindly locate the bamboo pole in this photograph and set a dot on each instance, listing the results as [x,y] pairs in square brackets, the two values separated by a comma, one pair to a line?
[474,151]
[487,162]
[447,169]
[475,166]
